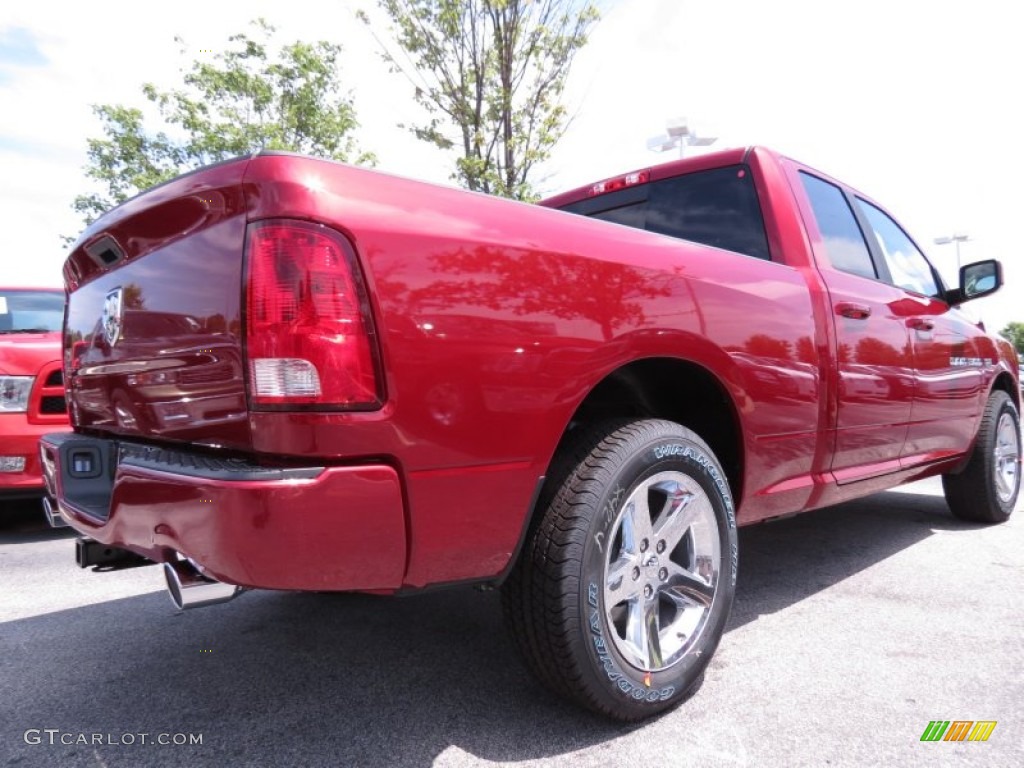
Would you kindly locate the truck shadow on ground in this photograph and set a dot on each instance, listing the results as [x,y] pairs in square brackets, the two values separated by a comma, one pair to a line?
[321,679]
[788,560]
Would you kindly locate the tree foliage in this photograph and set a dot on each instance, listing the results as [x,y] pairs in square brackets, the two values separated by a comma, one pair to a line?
[1014,333]
[490,75]
[234,102]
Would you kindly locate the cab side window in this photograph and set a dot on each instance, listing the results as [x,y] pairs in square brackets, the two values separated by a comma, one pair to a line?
[909,268]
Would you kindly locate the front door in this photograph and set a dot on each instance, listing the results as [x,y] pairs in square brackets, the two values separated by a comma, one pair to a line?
[950,353]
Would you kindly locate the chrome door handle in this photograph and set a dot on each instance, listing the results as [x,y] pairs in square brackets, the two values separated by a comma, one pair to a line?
[854,311]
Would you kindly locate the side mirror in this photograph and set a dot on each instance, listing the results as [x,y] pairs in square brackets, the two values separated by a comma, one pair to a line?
[976,280]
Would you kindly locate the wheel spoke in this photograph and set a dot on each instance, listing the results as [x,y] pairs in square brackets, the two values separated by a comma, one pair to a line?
[636,521]
[652,624]
[682,509]
[636,628]
[620,584]
[692,587]
[1006,449]
[644,633]
[687,620]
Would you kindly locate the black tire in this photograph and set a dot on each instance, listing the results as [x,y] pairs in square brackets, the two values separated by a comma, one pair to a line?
[987,488]
[592,580]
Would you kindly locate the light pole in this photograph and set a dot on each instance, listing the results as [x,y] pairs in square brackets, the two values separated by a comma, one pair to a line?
[678,134]
[956,239]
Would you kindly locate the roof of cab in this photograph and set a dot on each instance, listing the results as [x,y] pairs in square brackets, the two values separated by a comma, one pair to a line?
[654,173]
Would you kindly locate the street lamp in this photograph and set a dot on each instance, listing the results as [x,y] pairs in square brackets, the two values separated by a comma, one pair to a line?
[678,134]
[956,239]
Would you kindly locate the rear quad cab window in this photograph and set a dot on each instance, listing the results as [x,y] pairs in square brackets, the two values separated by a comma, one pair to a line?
[718,207]
[844,242]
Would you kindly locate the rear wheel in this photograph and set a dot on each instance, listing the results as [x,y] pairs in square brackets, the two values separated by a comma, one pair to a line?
[624,586]
[986,490]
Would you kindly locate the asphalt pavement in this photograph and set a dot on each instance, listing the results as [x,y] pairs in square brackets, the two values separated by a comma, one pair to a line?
[853,628]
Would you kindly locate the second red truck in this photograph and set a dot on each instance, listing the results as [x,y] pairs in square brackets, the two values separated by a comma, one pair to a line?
[31,385]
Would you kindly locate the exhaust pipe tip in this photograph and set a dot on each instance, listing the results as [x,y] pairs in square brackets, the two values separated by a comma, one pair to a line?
[188,588]
[52,515]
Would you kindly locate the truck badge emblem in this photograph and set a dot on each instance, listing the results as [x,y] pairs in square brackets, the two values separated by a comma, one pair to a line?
[112,315]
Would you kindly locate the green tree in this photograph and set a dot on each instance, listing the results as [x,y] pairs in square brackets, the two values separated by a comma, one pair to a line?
[133,298]
[763,345]
[490,75]
[234,102]
[1014,333]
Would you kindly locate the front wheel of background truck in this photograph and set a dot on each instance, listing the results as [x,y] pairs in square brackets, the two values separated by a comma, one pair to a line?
[986,490]
[624,586]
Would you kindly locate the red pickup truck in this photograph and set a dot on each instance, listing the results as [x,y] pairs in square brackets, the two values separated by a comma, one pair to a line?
[31,385]
[287,373]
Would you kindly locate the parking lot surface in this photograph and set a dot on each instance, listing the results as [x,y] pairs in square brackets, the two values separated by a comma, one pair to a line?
[853,628]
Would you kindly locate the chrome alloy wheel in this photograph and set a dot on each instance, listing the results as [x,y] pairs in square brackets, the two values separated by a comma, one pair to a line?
[661,571]
[1007,458]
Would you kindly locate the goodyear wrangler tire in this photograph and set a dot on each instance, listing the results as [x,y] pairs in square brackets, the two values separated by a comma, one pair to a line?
[987,488]
[624,586]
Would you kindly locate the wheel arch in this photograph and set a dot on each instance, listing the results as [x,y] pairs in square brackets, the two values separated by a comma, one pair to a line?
[654,387]
[674,389]
[1005,382]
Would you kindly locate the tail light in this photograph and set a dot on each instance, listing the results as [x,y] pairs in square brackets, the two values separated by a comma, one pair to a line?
[309,334]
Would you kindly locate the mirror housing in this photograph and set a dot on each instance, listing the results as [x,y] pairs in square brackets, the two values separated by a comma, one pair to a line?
[981,278]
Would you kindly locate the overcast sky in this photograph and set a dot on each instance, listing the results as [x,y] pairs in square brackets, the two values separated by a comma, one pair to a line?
[917,104]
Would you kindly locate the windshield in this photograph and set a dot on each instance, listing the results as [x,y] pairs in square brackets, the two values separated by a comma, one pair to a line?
[30,311]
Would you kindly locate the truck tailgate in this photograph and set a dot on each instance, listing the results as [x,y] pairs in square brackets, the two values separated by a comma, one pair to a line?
[153,344]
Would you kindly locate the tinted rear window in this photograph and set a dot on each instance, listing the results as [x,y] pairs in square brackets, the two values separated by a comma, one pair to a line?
[634,215]
[718,207]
